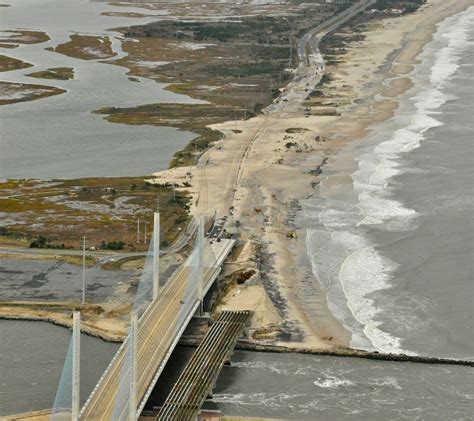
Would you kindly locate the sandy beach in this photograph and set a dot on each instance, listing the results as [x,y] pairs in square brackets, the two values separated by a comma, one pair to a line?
[265,165]
[256,176]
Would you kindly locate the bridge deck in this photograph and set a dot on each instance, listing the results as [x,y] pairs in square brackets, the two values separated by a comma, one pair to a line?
[198,377]
[159,330]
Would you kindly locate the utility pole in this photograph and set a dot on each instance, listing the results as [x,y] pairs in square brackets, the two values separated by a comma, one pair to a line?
[201,264]
[76,365]
[144,233]
[83,270]
[133,348]
[156,254]
[138,230]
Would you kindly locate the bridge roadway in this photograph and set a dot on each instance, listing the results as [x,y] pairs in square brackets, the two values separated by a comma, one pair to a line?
[159,330]
[196,381]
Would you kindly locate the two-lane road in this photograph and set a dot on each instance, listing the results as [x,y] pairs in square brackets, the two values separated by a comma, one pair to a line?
[159,330]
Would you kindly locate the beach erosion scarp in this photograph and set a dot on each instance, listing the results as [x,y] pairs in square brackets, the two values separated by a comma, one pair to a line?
[274,178]
[257,175]
[277,167]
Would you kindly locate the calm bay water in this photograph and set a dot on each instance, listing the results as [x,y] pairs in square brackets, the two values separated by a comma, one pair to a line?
[32,356]
[393,249]
[59,137]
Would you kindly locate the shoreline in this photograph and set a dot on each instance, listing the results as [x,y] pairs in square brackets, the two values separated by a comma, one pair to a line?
[394,77]
[323,330]
[382,104]
[294,255]
[319,327]
[371,106]
[259,346]
[93,330]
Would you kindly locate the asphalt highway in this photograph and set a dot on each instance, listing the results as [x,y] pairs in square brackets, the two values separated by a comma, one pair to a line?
[158,331]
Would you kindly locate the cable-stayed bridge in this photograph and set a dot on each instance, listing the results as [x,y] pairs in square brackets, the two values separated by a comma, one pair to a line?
[157,324]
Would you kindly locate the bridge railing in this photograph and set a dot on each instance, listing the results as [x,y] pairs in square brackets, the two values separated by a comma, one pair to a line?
[160,324]
[170,314]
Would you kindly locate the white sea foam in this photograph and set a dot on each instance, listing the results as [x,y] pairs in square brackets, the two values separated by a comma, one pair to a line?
[269,400]
[332,382]
[447,58]
[377,169]
[366,271]
[388,381]
[362,270]
[262,365]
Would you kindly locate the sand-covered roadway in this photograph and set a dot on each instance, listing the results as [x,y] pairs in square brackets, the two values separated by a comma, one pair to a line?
[228,184]
[257,175]
[311,63]
[306,75]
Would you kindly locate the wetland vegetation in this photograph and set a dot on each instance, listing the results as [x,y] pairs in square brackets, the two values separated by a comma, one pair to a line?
[57,73]
[59,213]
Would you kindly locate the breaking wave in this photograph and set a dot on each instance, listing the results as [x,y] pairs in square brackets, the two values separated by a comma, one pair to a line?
[344,259]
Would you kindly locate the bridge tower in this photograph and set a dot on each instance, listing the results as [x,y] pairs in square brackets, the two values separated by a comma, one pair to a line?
[156,254]
[201,264]
[83,270]
[133,352]
[76,365]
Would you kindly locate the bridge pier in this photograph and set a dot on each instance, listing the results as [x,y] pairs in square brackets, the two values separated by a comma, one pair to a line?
[76,365]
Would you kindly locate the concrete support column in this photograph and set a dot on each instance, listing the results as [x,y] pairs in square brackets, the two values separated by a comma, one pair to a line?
[201,263]
[76,365]
[83,270]
[156,254]
[133,349]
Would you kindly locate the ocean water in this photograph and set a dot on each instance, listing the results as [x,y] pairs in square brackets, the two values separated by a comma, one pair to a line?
[289,386]
[393,245]
[393,250]
[307,387]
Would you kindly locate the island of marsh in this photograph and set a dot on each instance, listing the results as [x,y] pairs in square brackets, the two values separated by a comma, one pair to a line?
[12,38]
[19,92]
[86,47]
[57,73]
[237,66]
[9,63]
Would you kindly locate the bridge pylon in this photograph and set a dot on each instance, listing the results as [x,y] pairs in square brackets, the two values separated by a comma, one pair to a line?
[156,255]
[133,352]
[76,365]
[200,288]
